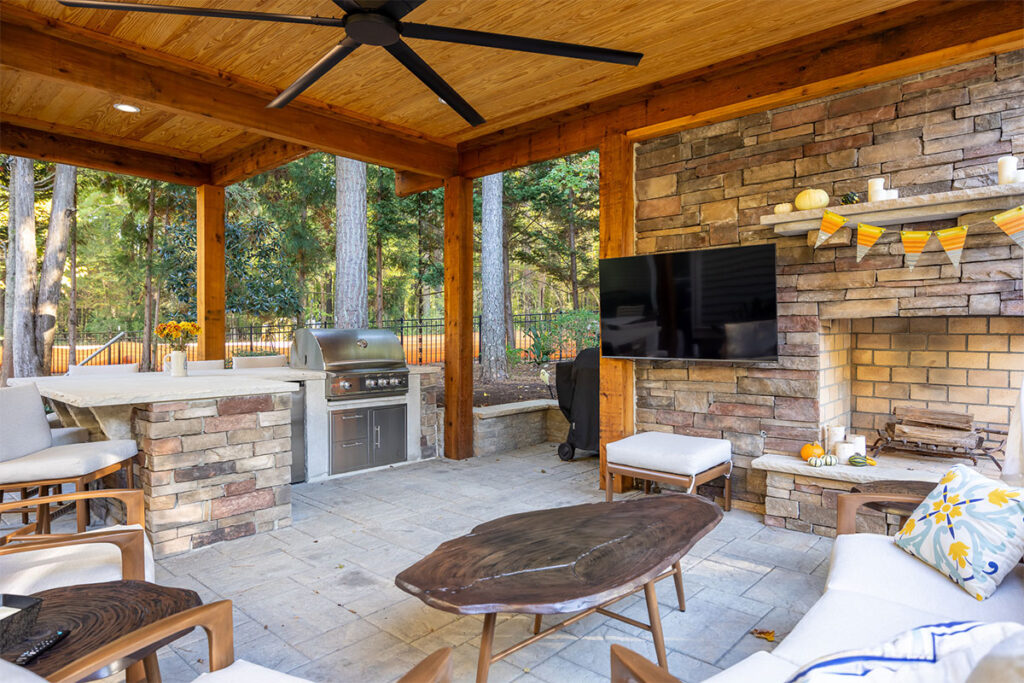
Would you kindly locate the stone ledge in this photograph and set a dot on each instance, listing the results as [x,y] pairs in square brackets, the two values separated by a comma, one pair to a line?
[889,467]
[505,409]
[916,209]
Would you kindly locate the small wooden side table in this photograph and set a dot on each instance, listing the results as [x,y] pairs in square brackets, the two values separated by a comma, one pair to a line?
[99,613]
[902,510]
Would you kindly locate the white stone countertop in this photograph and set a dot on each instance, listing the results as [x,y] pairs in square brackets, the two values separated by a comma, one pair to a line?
[889,467]
[151,387]
[284,374]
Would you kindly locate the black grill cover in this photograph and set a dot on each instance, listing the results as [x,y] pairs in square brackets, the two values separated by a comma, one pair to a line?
[578,385]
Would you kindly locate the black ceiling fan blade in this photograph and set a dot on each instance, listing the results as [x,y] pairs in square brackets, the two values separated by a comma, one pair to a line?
[505,42]
[349,6]
[412,61]
[396,9]
[325,64]
[205,12]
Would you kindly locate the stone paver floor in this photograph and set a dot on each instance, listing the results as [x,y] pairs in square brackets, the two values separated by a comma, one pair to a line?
[318,599]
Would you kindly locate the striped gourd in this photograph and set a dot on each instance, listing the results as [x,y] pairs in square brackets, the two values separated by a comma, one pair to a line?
[859,460]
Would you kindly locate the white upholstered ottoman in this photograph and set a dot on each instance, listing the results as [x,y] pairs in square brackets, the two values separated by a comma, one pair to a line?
[670,459]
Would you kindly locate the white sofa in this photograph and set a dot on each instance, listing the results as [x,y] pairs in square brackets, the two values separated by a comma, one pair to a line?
[874,592]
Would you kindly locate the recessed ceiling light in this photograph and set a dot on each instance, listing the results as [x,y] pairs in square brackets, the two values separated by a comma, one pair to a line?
[128,108]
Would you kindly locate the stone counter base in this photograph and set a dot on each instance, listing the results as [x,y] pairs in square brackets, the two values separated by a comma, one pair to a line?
[808,504]
[214,470]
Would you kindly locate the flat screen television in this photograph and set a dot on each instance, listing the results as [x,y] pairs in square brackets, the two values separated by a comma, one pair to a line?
[710,304]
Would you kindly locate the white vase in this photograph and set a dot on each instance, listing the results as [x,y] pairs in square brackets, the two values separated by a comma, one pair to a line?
[178,364]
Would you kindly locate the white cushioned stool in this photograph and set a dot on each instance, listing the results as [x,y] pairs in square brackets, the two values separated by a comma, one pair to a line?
[670,459]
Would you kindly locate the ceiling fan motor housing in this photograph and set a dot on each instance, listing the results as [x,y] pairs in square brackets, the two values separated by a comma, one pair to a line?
[372,29]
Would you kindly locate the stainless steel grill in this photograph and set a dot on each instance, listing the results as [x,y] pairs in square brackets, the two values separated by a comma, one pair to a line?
[359,363]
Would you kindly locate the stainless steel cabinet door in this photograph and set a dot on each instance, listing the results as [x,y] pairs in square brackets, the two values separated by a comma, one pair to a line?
[387,434]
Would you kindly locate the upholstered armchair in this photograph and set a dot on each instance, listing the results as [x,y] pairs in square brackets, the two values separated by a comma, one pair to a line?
[30,458]
[30,563]
[215,619]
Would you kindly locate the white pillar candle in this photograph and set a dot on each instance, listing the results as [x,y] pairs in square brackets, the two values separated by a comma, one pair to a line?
[1007,170]
[876,189]
[845,449]
[860,444]
[835,435]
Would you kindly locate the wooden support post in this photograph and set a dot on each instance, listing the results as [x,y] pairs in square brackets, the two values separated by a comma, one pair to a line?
[210,270]
[458,318]
[616,239]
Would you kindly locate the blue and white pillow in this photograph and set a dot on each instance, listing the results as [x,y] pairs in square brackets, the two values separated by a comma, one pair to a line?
[970,528]
[926,654]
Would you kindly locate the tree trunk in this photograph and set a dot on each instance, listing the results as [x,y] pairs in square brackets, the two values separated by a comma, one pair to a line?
[506,239]
[494,363]
[7,366]
[62,216]
[420,301]
[573,278]
[350,304]
[73,294]
[147,293]
[26,360]
[301,316]
[379,295]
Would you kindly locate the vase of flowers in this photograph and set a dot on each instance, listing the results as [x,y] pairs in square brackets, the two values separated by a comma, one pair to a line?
[177,335]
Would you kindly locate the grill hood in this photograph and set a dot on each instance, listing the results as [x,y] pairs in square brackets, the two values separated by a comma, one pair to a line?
[336,350]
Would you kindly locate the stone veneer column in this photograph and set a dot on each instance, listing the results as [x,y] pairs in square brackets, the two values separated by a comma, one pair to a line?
[214,470]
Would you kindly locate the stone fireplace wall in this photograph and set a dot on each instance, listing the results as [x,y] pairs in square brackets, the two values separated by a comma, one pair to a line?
[708,187]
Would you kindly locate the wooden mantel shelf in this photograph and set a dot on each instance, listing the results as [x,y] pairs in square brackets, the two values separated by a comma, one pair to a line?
[919,209]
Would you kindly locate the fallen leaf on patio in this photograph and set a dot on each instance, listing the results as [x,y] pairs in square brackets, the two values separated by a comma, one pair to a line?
[341,566]
[764,634]
[543,471]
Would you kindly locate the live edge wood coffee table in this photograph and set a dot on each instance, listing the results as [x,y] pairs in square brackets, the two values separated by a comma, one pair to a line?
[99,613]
[573,559]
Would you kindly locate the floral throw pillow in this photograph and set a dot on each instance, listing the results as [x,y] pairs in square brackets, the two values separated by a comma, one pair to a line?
[970,528]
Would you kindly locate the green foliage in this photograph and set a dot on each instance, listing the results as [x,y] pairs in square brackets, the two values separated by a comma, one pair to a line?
[514,356]
[579,329]
[545,340]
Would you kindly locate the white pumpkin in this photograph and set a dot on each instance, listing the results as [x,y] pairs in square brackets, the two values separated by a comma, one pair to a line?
[811,199]
[783,208]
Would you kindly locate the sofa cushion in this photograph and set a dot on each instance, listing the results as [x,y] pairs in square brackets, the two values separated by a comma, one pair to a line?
[12,673]
[970,528]
[22,406]
[61,462]
[1004,663]
[937,652]
[242,671]
[62,436]
[763,667]
[243,362]
[674,453]
[116,369]
[865,563]
[32,571]
[844,620]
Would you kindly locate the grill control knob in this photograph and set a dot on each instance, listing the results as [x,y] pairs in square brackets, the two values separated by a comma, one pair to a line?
[394,381]
[370,383]
[345,384]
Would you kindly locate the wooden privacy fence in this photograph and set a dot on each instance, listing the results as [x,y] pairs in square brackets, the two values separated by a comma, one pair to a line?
[423,341]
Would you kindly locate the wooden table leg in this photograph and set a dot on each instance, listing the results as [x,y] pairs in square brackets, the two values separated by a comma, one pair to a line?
[678,577]
[609,484]
[152,668]
[486,646]
[655,617]
[82,508]
[536,624]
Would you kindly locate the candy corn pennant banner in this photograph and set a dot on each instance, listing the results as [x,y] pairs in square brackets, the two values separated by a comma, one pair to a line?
[913,245]
[867,235]
[830,222]
[1012,223]
[952,240]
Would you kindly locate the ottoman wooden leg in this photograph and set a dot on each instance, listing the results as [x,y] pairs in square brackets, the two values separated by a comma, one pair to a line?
[728,492]
[609,483]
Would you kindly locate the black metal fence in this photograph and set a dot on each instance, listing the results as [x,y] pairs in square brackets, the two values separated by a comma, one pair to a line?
[422,339]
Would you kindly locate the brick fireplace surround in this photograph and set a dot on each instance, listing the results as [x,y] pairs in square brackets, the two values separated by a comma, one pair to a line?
[856,340]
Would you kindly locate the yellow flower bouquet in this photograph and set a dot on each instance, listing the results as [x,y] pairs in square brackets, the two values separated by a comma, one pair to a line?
[178,334]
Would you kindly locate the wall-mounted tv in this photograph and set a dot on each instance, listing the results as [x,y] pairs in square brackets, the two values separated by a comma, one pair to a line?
[711,304]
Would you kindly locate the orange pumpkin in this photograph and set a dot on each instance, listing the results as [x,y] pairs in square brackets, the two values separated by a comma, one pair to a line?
[811,450]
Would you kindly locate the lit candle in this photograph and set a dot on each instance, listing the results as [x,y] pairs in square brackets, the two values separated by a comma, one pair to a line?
[1007,170]
[876,189]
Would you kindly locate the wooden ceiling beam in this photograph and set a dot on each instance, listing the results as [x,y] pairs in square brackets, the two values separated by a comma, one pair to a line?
[908,40]
[37,46]
[407,183]
[261,157]
[65,149]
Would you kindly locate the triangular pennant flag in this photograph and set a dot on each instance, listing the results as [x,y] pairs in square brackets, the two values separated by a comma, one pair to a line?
[830,222]
[952,240]
[867,235]
[913,244]
[1012,223]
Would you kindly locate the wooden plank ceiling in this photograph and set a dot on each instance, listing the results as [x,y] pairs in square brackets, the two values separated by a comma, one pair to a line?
[369,88]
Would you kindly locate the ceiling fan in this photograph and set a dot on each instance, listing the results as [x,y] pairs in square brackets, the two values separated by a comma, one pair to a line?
[379,22]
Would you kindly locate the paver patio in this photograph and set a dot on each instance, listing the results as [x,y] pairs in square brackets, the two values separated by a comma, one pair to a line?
[318,599]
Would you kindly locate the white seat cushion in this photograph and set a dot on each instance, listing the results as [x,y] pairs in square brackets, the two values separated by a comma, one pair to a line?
[12,673]
[23,422]
[246,672]
[39,570]
[873,565]
[118,369]
[242,362]
[673,453]
[62,436]
[61,462]
[844,620]
[763,667]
